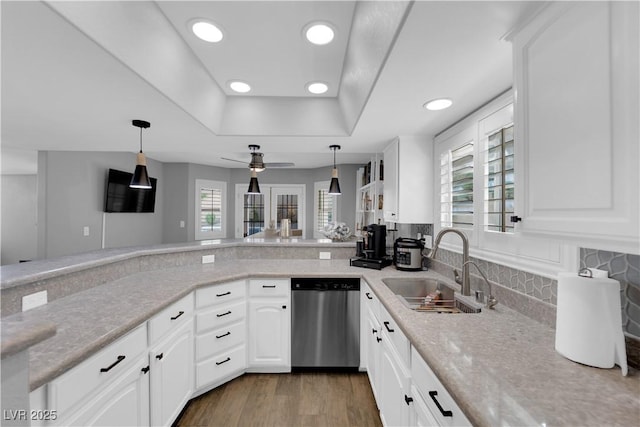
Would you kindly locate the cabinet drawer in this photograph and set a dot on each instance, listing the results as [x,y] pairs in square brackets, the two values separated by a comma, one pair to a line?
[269,287]
[434,394]
[392,332]
[220,340]
[170,318]
[216,368]
[101,368]
[221,315]
[370,300]
[218,294]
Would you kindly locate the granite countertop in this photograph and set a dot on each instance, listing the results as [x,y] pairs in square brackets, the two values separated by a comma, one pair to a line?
[500,366]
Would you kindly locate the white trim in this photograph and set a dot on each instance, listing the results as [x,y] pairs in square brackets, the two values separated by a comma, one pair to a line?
[217,185]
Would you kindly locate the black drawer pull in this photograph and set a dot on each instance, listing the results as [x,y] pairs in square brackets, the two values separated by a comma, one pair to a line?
[160,356]
[373,331]
[408,399]
[145,369]
[378,339]
[386,325]
[268,286]
[223,314]
[224,361]
[224,294]
[444,413]
[107,369]
[180,313]
[223,335]
[368,295]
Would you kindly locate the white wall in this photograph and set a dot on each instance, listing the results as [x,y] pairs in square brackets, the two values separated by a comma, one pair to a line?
[19,218]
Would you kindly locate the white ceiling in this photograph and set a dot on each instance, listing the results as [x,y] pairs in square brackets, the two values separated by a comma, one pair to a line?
[74,75]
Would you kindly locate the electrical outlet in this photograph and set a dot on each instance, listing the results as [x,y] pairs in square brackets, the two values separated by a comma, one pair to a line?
[325,255]
[208,259]
[181,224]
[85,231]
[34,300]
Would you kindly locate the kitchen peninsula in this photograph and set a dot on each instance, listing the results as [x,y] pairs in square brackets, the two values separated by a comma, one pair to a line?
[499,366]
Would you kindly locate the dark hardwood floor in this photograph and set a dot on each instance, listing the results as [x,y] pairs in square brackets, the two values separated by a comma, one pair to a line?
[296,399]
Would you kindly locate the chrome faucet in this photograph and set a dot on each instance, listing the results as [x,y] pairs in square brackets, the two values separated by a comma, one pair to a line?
[491,300]
[466,287]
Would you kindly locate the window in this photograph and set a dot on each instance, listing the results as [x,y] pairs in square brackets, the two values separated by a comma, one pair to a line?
[499,181]
[325,208]
[210,209]
[456,187]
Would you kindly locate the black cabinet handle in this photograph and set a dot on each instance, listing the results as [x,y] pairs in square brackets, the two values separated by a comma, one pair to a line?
[408,399]
[108,368]
[223,314]
[368,295]
[223,335]
[268,286]
[432,395]
[515,218]
[160,356]
[224,361]
[378,339]
[373,331]
[386,325]
[180,313]
[284,307]
[145,369]
[226,293]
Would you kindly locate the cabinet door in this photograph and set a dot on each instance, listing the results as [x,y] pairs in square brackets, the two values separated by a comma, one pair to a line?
[172,375]
[394,388]
[391,169]
[269,335]
[420,415]
[123,403]
[372,334]
[576,123]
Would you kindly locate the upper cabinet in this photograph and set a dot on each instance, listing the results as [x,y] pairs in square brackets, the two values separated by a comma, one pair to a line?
[370,202]
[408,190]
[576,123]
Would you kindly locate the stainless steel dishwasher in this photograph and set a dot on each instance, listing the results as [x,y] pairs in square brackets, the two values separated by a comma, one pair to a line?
[325,323]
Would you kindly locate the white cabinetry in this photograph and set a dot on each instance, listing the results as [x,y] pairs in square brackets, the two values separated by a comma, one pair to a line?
[370,184]
[394,377]
[220,334]
[109,388]
[371,336]
[576,123]
[408,189]
[171,361]
[431,401]
[269,325]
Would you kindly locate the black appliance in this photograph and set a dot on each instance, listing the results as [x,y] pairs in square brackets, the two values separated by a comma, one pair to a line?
[407,254]
[374,248]
[122,198]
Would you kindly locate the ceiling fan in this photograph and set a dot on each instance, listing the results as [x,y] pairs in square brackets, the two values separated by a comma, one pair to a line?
[257,162]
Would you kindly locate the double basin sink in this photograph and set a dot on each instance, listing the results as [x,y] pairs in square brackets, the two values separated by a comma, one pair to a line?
[430,295]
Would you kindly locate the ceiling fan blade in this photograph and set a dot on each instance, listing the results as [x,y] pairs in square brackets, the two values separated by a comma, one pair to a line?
[279,165]
[234,160]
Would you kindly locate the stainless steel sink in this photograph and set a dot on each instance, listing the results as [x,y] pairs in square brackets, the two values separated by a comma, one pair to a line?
[430,295]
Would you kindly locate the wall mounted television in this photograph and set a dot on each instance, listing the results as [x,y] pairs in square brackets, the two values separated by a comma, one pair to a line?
[121,198]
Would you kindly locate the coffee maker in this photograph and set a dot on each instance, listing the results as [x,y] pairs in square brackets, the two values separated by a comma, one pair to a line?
[374,248]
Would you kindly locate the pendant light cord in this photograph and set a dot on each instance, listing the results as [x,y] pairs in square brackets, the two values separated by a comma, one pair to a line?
[141,140]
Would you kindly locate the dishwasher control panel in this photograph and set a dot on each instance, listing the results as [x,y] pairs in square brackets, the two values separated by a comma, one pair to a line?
[325,284]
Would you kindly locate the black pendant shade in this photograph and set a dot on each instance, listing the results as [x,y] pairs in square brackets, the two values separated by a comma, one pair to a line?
[334,187]
[140,177]
[254,188]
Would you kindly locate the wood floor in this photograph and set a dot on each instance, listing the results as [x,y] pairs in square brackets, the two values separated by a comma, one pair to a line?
[296,399]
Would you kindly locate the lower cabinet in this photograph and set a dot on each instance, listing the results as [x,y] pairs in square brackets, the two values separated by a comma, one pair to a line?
[374,349]
[171,375]
[395,384]
[269,325]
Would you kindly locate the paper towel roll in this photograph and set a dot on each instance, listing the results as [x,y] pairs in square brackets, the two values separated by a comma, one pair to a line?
[589,321]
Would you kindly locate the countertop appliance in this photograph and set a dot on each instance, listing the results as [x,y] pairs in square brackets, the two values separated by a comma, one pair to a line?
[374,248]
[407,254]
[325,323]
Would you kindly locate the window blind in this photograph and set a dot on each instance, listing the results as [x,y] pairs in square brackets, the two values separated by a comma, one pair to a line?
[499,181]
[456,192]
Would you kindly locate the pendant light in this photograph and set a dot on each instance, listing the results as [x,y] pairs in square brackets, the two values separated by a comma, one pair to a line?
[254,188]
[334,188]
[140,177]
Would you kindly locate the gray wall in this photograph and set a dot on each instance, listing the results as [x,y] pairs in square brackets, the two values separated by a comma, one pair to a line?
[74,185]
[19,218]
[68,195]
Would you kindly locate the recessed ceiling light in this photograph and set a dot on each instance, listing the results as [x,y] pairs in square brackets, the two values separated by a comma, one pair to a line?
[240,87]
[319,33]
[438,104]
[317,88]
[206,31]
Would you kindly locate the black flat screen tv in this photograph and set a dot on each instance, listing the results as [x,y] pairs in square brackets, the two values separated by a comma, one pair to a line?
[122,198]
